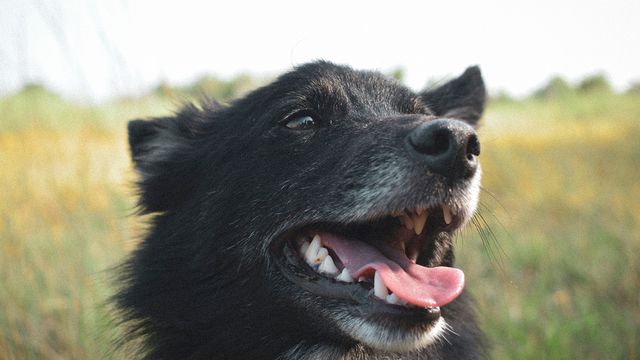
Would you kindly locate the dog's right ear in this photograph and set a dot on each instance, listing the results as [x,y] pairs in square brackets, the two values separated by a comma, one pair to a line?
[161,154]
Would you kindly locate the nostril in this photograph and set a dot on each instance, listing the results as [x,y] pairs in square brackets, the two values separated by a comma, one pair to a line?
[473,147]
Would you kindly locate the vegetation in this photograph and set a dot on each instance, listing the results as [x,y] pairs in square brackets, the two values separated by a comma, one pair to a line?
[556,88]
[211,87]
[562,278]
[634,89]
[595,83]
[556,273]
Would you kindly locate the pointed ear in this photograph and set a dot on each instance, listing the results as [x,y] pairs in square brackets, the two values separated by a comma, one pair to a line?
[161,151]
[462,98]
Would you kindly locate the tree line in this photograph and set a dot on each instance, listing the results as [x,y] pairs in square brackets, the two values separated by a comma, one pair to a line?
[225,90]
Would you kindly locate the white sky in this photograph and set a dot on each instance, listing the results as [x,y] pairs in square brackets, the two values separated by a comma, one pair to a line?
[94,50]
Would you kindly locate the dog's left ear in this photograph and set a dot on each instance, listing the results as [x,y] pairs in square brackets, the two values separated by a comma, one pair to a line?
[462,98]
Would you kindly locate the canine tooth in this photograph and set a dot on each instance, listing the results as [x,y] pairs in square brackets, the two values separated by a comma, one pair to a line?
[304,247]
[446,211]
[363,279]
[379,289]
[420,210]
[312,251]
[344,276]
[419,220]
[402,246]
[321,255]
[327,266]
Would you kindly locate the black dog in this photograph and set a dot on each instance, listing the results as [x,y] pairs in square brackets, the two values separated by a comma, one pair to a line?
[312,218]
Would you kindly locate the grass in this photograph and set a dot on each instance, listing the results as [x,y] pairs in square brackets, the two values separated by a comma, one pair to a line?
[64,222]
[564,204]
[560,278]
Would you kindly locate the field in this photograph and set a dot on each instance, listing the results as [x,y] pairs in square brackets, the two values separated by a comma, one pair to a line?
[556,273]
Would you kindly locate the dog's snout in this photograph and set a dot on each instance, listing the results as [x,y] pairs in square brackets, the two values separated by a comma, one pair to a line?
[448,147]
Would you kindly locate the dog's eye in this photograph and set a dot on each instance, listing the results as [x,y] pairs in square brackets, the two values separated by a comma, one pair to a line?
[301,122]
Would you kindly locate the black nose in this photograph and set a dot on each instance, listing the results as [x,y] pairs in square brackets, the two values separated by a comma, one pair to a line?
[448,147]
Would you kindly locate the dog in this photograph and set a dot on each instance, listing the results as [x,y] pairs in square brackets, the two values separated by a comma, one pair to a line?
[311,219]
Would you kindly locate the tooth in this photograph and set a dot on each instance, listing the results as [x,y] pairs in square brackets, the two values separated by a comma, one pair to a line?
[363,279]
[419,221]
[446,211]
[420,210]
[328,266]
[321,255]
[379,289]
[304,247]
[406,221]
[392,299]
[312,251]
[344,276]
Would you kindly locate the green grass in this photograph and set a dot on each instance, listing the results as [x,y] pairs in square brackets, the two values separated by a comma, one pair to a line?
[565,208]
[561,279]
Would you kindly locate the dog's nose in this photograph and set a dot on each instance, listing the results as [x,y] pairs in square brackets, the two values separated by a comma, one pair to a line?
[448,147]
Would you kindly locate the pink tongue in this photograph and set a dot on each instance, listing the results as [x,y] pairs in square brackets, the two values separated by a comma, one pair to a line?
[418,285]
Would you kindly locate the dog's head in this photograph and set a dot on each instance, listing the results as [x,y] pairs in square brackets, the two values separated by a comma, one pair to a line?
[323,204]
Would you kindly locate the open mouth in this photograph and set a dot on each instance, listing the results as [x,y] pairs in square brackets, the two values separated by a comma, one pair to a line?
[390,262]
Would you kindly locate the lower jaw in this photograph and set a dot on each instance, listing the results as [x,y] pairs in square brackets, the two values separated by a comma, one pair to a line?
[392,334]
[360,316]
[355,296]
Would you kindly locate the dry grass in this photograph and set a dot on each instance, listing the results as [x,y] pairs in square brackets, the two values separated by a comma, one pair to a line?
[63,224]
[561,279]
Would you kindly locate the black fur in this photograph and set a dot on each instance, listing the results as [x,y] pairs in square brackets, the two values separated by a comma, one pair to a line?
[225,182]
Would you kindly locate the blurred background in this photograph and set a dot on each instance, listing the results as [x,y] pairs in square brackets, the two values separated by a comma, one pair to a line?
[553,259]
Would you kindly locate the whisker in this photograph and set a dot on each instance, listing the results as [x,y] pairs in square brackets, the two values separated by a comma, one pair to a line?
[446,330]
[493,243]
[488,238]
[488,210]
[493,196]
